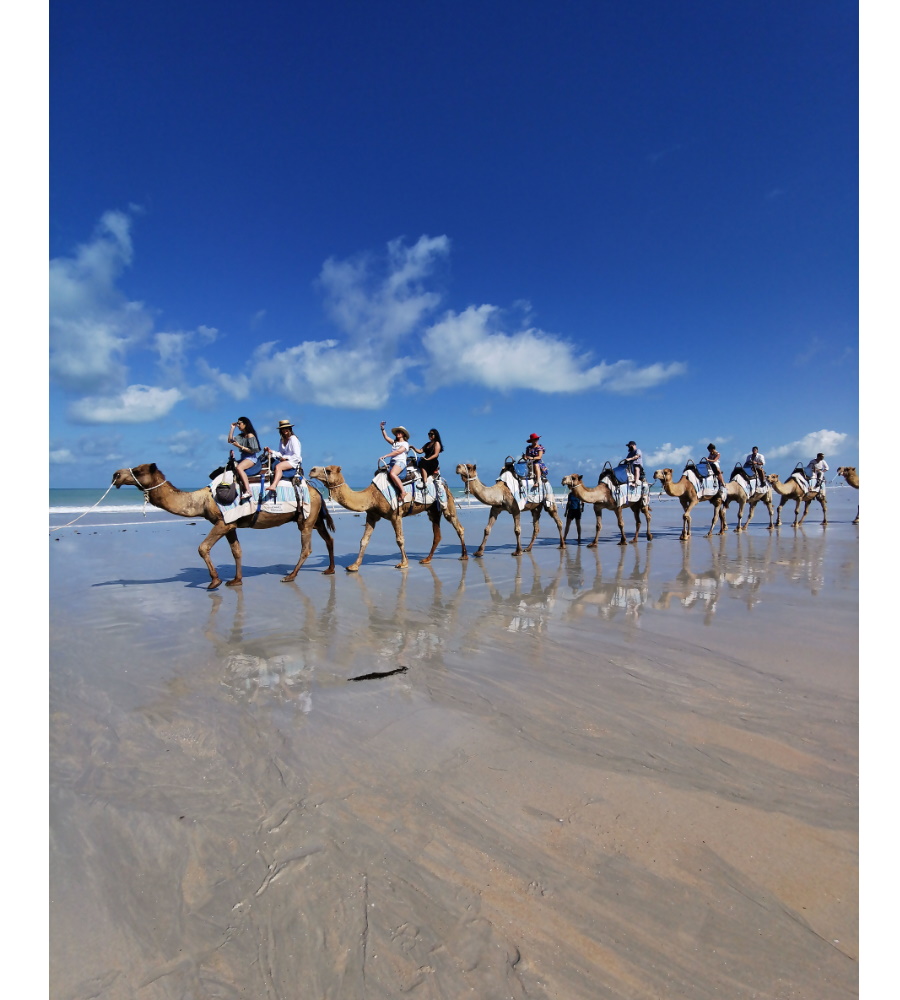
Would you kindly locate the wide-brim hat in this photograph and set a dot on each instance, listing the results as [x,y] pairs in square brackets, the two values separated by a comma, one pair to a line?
[284,423]
[400,429]
[534,437]
[632,444]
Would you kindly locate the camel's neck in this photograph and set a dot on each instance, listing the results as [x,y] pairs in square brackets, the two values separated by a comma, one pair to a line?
[486,494]
[676,489]
[175,501]
[593,494]
[785,491]
[351,499]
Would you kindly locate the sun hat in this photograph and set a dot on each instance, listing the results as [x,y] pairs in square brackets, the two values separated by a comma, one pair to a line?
[534,437]
[632,444]
[284,423]
[400,429]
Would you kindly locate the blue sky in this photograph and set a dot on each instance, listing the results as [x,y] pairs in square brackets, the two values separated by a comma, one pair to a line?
[592,221]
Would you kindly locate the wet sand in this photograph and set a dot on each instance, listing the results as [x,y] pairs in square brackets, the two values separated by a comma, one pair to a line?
[621,772]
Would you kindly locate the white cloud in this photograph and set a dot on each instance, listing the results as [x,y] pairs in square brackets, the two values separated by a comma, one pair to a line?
[668,456]
[809,446]
[386,309]
[138,404]
[62,456]
[91,323]
[236,386]
[327,374]
[466,347]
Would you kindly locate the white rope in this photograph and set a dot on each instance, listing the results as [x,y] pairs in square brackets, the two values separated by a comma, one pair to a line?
[56,527]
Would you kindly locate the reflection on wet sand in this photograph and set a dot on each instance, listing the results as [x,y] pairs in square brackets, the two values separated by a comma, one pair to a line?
[617,593]
[548,802]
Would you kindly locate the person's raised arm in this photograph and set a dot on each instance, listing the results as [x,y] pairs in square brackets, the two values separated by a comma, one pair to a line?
[384,433]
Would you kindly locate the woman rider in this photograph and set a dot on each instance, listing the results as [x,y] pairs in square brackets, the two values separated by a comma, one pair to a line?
[247,445]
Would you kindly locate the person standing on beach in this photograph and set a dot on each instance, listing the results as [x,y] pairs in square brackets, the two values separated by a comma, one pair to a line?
[396,459]
[429,463]
[247,444]
[634,462]
[534,453]
[755,461]
[289,456]
[817,467]
[574,509]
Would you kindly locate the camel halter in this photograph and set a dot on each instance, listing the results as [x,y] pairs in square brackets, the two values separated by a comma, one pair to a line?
[146,490]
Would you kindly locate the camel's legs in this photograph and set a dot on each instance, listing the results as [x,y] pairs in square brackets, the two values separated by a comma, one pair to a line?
[460,531]
[491,518]
[636,510]
[435,519]
[372,519]
[535,530]
[687,505]
[306,530]
[781,503]
[559,527]
[741,505]
[598,511]
[647,516]
[621,525]
[856,519]
[218,530]
[322,529]
[397,520]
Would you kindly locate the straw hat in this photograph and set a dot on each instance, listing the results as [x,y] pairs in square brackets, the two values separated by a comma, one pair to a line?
[284,423]
[400,430]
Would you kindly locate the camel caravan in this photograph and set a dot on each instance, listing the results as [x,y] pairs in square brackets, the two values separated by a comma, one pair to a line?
[249,494]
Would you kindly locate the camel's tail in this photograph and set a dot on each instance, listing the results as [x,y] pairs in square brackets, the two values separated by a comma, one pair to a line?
[325,513]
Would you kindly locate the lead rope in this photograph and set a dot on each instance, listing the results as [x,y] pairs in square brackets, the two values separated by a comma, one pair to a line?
[56,527]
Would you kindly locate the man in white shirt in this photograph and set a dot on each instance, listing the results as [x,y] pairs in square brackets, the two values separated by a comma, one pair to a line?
[756,460]
[817,467]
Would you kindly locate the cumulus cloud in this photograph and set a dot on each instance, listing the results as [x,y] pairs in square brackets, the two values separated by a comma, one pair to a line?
[325,373]
[383,307]
[468,347]
[92,323]
[136,405]
[668,456]
[825,441]
[236,386]
[62,456]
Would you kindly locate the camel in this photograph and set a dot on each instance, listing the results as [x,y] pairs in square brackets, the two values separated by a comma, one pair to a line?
[851,477]
[375,506]
[201,503]
[742,501]
[687,496]
[791,490]
[602,497]
[499,498]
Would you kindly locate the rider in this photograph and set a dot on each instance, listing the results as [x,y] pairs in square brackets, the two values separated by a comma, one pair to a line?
[247,445]
[712,460]
[289,456]
[534,453]
[817,467]
[755,460]
[634,462]
[396,458]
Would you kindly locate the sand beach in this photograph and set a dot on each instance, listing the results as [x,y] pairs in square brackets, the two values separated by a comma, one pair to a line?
[624,772]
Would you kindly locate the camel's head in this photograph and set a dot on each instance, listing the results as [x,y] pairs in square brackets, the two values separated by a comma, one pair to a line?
[466,471]
[772,477]
[846,470]
[140,475]
[330,475]
[663,475]
[572,481]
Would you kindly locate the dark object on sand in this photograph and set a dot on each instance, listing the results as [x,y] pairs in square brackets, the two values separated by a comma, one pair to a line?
[377,674]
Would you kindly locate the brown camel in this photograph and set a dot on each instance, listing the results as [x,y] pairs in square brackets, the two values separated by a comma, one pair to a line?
[375,506]
[201,503]
[687,495]
[603,498]
[851,477]
[499,498]
[745,498]
[792,490]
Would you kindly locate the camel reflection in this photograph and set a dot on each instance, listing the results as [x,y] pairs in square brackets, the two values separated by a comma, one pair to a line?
[526,609]
[701,589]
[749,568]
[276,665]
[802,558]
[622,594]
